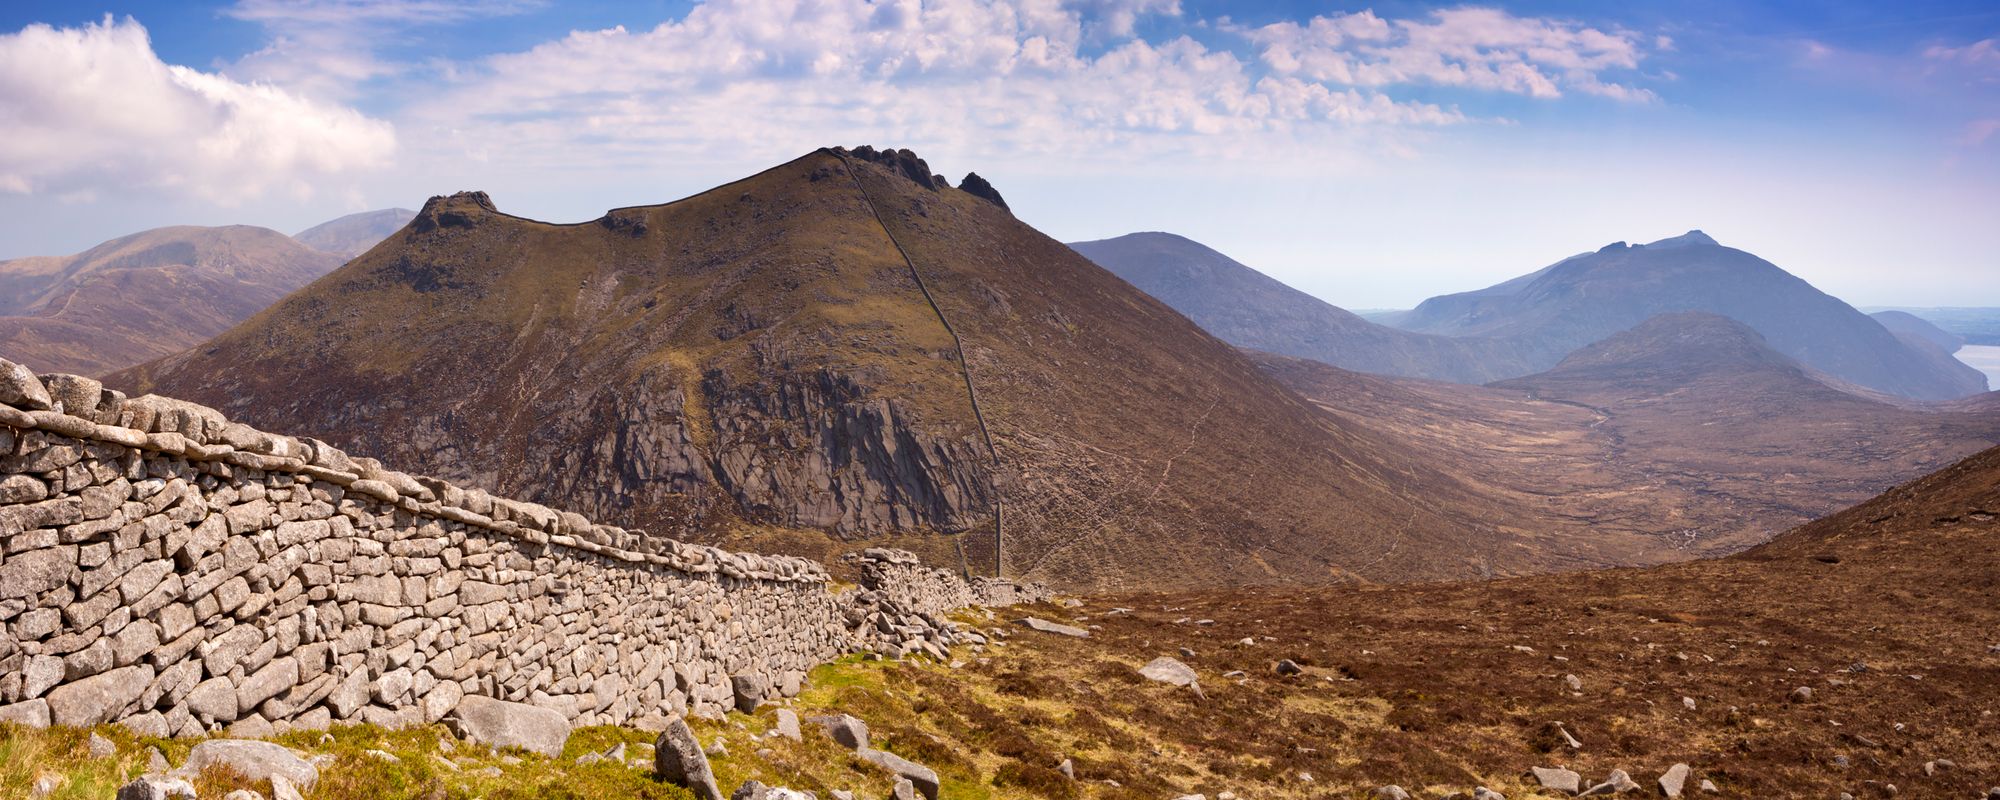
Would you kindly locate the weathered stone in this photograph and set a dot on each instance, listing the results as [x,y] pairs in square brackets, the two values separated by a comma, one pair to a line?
[787,724]
[22,489]
[258,761]
[499,723]
[20,388]
[214,700]
[1287,667]
[1391,792]
[749,691]
[1617,783]
[32,713]
[1675,778]
[32,573]
[40,674]
[276,677]
[925,778]
[678,759]
[156,787]
[1561,780]
[98,699]
[1170,671]
[1045,626]
[849,732]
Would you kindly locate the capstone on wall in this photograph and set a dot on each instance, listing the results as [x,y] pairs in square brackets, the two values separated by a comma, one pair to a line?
[168,569]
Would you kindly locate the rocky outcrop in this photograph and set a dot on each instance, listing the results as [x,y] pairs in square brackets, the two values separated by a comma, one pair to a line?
[978,187]
[820,451]
[179,573]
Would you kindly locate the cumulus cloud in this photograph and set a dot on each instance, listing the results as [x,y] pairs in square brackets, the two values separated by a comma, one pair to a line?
[1473,48]
[94,109]
[981,77]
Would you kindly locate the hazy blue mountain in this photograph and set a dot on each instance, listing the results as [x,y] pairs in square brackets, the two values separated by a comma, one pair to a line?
[1582,299]
[1249,309]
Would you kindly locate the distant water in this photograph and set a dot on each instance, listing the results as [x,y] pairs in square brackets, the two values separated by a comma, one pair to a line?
[1985,358]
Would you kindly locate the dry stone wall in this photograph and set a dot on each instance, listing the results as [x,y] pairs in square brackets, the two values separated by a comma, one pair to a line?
[179,573]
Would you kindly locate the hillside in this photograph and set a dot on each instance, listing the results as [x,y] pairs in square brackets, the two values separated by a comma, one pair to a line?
[761,357]
[1880,613]
[1588,297]
[1686,436]
[1908,326]
[353,234]
[1249,309]
[143,296]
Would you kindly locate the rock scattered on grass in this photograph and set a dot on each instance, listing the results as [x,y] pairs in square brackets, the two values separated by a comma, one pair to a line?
[256,760]
[1557,778]
[787,725]
[1287,667]
[1045,626]
[678,759]
[1618,782]
[1391,792]
[847,730]
[499,723]
[1674,780]
[156,787]
[1169,671]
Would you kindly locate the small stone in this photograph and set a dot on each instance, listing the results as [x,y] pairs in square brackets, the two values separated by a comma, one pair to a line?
[282,789]
[1045,626]
[156,787]
[925,779]
[101,747]
[1067,768]
[1287,667]
[849,731]
[1617,783]
[1168,671]
[1483,793]
[719,749]
[156,761]
[1558,779]
[1688,703]
[1803,694]
[787,725]
[1709,787]
[257,761]
[499,723]
[750,691]
[242,794]
[1391,792]
[678,759]
[1574,683]
[1674,780]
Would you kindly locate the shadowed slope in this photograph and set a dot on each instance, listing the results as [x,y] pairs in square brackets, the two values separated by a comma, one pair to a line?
[352,235]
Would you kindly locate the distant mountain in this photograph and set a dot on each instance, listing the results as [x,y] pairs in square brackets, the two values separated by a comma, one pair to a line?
[139,297]
[353,234]
[1585,298]
[1250,309]
[1980,326]
[1687,435]
[796,353]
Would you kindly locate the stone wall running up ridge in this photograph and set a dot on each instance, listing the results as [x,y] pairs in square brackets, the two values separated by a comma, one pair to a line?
[165,568]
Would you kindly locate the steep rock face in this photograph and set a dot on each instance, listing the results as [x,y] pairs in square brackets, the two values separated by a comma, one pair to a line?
[818,451]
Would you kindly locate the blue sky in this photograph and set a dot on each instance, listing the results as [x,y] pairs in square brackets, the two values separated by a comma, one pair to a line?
[1370,154]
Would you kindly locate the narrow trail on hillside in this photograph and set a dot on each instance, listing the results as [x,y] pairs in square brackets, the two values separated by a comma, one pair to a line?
[965,366]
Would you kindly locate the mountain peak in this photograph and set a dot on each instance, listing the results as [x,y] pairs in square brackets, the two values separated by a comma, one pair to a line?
[459,210]
[1693,237]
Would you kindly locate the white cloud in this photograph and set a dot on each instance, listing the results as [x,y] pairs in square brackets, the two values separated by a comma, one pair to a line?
[1474,48]
[94,109]
[979,78]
